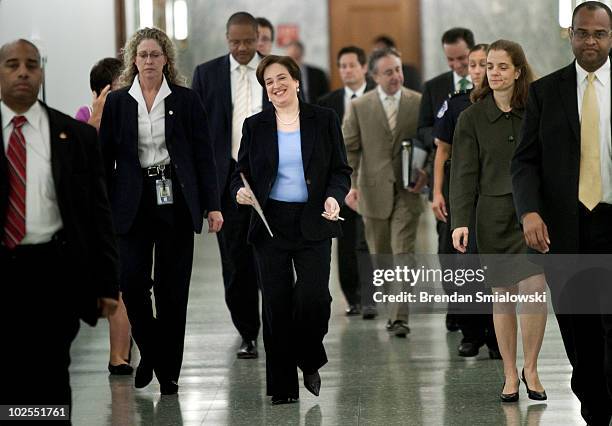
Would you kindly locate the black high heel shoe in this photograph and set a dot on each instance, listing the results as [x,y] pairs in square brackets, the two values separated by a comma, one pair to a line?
[312,382]
[535,395]
[279,400]
[509,397]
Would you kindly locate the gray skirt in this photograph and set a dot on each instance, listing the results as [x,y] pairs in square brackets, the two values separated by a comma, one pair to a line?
[501,244]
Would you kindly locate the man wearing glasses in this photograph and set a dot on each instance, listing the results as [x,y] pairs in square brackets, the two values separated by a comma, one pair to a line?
[230,92]
[562,181]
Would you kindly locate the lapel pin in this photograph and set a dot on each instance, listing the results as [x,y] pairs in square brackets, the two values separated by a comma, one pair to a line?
[63,135]
[170,112]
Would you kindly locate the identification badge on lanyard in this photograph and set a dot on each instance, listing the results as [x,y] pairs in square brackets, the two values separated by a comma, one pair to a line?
[163,188]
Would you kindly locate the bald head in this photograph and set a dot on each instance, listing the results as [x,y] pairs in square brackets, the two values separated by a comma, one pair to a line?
[20,75]
[4,48]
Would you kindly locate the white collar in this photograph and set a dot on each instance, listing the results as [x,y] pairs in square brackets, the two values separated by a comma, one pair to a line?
[382,95]
[234,64]
[602,73]
[457,78]
[358,92]
[136,92]
[32,115]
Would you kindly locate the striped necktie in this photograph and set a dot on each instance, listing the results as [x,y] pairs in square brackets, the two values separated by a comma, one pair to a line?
[15,225]
[589,182]
[391,111]
[242,109]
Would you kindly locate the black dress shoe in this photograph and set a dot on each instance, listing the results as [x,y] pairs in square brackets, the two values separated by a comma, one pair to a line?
[312,382]
[353,310]
[120,370]
[279,400]
[451,322]
[144,375]
[509,397]
[535,395]
[467,349]
[248,350]
[398,328]
[494,353]
[168,387]
[369,312]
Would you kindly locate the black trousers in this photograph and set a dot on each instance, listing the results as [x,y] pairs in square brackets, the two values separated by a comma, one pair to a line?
[39,321]
[587,332]
[238,265]
[354,262]
[160,243]
[297,311]
[476,328]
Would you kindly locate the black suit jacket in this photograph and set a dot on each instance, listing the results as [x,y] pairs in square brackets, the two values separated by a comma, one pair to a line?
[89,239]
[317,83]
[189,146]
[326,169]
[435,92]
[212,82]
[335,99]
[546,164]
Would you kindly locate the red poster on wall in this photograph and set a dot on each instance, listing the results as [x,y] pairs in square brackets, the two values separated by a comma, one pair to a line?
[286,33]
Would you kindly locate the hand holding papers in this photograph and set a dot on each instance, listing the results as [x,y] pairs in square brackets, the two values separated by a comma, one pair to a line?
[413,160]
[247,197]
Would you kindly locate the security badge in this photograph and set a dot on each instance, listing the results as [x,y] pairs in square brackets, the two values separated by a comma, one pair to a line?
[443,109]
[163,189]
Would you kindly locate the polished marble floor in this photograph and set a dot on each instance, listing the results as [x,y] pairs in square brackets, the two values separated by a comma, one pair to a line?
[371,379]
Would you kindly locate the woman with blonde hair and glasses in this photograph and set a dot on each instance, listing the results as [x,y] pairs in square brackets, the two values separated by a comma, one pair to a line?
[483,145]
[162,182]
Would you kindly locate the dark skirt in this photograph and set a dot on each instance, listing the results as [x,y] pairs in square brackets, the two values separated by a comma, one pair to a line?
[501,243]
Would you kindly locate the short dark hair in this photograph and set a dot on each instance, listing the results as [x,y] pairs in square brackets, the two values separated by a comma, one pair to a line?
[5,47]
[384,39]
[455,34]
[241,18]
[592,5]
[103,73]
[379,54]
[361,56]
[263,22]
[286,61]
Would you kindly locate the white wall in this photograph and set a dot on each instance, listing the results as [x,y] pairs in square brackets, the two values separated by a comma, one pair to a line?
[72,34]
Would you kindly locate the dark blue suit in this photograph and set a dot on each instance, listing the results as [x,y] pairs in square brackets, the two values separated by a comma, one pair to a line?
[211,80]
[141,224]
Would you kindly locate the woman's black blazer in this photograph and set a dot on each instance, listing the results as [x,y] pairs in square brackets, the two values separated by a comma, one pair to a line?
[189,146]
[326,170]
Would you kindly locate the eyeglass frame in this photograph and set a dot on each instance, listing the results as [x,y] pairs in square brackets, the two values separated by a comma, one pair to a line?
[154,55]
[583,35]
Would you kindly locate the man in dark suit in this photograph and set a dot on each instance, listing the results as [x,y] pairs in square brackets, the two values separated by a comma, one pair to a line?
[58,254]
[314,82]
[230,92]
[562,182]
[456,43]
[353,255]
[412,76]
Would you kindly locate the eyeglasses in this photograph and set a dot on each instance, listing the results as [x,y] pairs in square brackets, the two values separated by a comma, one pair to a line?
[583,35]
[153,55]
[249,42]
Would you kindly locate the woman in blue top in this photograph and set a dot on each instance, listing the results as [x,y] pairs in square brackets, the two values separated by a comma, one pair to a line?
[292,155]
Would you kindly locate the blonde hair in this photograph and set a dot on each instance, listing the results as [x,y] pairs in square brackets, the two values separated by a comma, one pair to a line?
[129,55]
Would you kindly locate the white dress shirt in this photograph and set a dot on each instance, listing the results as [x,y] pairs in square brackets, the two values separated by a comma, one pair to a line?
[348,94]
[383,96]
[152,149]
[256,91]
[602,89]
[457,78]
[43,218]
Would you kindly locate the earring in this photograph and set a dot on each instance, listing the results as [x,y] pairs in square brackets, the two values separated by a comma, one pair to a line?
[298,90]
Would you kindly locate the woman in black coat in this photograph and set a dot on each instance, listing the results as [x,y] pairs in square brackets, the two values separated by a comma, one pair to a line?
[292,155]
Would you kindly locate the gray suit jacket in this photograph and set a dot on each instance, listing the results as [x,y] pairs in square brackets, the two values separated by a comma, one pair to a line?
[374,152]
